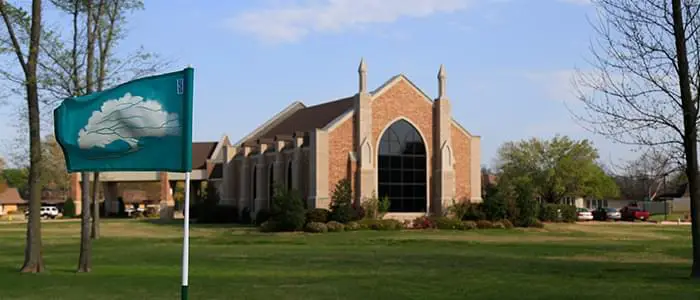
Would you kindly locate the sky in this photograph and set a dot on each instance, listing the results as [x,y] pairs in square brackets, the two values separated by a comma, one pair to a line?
[509,63]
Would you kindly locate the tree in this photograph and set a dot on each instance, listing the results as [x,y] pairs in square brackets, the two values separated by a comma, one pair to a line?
[17,178]
[554,169]
[645,86]
[33,261]
[341,202]
[646,176]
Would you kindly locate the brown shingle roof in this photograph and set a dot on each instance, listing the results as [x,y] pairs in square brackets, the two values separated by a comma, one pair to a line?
[307,119]
[201,152]
[11,196]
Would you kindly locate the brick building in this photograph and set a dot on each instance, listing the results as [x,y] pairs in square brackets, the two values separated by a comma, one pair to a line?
[394,141]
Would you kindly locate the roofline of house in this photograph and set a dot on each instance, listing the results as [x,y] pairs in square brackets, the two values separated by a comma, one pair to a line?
[280,116]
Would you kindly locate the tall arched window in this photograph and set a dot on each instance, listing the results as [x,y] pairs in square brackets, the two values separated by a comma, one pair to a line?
[253,187]
[402,168]
[271,184]
[289,176]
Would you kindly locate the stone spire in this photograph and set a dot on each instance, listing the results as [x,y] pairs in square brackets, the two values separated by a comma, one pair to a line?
[362,70]
[442,78]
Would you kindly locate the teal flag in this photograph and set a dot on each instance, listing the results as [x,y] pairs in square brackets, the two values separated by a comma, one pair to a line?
[141,125]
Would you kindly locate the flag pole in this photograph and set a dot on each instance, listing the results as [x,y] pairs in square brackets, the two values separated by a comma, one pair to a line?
[186,241]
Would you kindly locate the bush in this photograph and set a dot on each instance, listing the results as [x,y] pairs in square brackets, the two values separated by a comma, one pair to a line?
[448,223]
[69,208]
[352,226]
[317,215]
[532,222]
[334,226]
[424,223]
[495,206]
[568,213]
[548,213]
[287,210]
[315,227]
[375,208]
[484,224]
[507,224]
[246,216]
[472,211]
[381,225]
[209,213]
[262,216]
[498,225]
[151,212]
[268,226]
[527,207]
[341,203]
[468,225]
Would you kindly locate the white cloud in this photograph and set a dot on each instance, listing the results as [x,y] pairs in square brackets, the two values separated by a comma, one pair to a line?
[288,24]
[127,119]
[557,85]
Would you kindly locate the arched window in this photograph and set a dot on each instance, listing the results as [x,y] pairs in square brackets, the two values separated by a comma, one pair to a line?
[289,176]
[271,184]
[402,168]
[253,187]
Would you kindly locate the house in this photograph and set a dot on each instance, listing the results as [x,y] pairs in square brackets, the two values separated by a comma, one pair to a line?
[10,201]
[394,141]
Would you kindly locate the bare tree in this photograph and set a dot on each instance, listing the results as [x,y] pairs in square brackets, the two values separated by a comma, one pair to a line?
[33,261]
[646,176]
[645,84]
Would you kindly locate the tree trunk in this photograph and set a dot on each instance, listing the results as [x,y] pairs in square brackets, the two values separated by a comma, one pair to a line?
[690,140]
[85,261]
[84,264]
[95,233]
[33,261]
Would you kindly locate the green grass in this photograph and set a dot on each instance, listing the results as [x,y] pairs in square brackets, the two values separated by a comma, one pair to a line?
[670,217]
[139,260]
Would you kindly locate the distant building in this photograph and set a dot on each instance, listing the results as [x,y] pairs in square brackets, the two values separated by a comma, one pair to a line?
[10,201]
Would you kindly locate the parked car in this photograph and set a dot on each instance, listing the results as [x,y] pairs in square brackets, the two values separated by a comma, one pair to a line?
[632,213]
[606,213]
[584,214]
[46,212]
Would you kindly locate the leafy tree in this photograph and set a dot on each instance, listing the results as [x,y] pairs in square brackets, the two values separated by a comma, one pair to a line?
[554,169]
[17,178]
[69,208]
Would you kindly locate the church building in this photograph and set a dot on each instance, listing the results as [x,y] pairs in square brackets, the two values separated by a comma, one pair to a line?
[393,141]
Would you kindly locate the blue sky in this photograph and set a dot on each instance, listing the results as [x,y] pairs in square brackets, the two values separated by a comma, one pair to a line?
[509,62]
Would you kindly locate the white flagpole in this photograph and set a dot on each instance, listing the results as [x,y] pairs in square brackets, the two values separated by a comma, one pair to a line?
[186,241]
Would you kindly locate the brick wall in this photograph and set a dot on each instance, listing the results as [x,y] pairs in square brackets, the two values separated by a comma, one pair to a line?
[340,143]
[403,100]
[461,147]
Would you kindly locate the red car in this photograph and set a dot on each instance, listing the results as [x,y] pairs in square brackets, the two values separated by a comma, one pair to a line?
[632,213]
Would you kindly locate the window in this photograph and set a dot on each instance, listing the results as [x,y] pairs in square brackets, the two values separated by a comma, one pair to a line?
[402,168]
[270,184]
[289,176]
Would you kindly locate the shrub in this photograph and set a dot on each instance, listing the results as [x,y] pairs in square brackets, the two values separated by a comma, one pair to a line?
[424,223]
[352,226]
[495,206]
[341,203]
[447,223]
[468,225]
[548,213]
[358,212]
[268,226]
[473,212]
[287,210]
[209,213]
[568,213]
[262,216]
[381,225]
[69,208]
[527,207]
[507,224]
[151,212]
[375,208]
[315,227]
[498,225]
[317,215]
[246,216]
[532,222]
[334,226]
[484,224]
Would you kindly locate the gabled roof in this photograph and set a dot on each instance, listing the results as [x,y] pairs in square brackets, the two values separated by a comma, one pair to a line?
[306,119]
[201,151]
[11,196]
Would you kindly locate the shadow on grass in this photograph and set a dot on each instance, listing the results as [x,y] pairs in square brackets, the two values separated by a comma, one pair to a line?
[194,224]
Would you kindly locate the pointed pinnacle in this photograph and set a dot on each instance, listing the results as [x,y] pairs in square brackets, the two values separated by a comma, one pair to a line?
[441,73]
[363,66]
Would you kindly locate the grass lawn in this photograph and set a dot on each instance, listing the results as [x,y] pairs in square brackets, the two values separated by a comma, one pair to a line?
[670,217]
[140,260]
